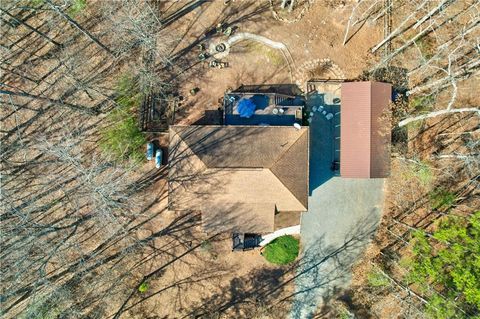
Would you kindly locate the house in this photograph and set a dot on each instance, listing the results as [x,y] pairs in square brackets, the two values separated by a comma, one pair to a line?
[365,133]
[243,179]
[251,176]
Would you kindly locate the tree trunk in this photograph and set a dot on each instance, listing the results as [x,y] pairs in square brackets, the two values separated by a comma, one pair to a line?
[399,29]
[79,108]
[43,35]
[440,7]
[76,25]
[422,33]
[436,113]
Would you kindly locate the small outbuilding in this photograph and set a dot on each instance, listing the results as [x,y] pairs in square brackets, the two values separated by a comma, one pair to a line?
[365,129]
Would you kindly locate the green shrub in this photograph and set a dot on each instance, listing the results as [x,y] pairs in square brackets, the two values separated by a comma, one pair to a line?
[405,262]
[427,46]
[206,245]
[376,279]
[77,7]
[341,311]
[35,3]
[421,171]
[122,138]
[143,287]
[344,314]
[442,199]
[424,173]
[41,308]
[415,125]
[282,250]
[422,103]
[441,308]
[127,91]
[447,262]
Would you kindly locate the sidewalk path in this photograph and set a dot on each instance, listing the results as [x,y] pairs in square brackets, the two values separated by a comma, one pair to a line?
[294,230]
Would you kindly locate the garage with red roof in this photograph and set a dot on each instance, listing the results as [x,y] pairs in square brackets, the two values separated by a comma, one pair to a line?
[365,129]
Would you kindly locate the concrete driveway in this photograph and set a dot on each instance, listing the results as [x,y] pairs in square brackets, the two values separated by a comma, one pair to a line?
[343,215]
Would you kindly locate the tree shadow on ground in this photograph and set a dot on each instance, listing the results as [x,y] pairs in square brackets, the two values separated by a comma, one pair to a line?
[324,270]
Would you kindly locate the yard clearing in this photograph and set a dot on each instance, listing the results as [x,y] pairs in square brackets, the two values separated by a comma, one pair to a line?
[318,35]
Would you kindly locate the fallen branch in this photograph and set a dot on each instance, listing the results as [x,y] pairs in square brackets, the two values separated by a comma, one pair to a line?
[436,113]
[458,156]
[399,29]
[441,6]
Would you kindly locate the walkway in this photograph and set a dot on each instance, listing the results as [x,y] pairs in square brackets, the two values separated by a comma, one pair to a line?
[294,230]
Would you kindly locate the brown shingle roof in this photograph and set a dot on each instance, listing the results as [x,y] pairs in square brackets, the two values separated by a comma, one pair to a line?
[238,171]
[290,171]
[237,146]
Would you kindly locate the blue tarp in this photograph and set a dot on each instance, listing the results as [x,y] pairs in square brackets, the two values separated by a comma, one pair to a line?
[245,108]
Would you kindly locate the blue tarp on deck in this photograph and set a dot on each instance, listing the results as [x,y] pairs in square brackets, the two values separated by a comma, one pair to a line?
[246,108]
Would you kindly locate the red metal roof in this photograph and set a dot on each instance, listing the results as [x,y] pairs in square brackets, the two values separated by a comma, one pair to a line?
[365,130]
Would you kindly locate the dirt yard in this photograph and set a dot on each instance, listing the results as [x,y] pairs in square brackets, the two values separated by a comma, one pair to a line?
[317,35]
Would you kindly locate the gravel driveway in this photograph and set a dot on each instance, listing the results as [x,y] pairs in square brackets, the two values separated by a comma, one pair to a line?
[343,215]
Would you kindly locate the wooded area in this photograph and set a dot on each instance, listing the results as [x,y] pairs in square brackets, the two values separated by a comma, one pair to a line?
[419,264]
[85,228]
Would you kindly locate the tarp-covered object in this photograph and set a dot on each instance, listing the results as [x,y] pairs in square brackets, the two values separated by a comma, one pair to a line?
[245,108]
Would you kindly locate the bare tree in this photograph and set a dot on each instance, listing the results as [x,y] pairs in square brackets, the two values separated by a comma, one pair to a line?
[77,200]
[136,26]
[445,28]
[76,25]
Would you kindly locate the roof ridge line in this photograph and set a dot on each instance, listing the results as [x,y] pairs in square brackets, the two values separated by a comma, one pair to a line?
[283,155]
[285,152]
[281,182]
